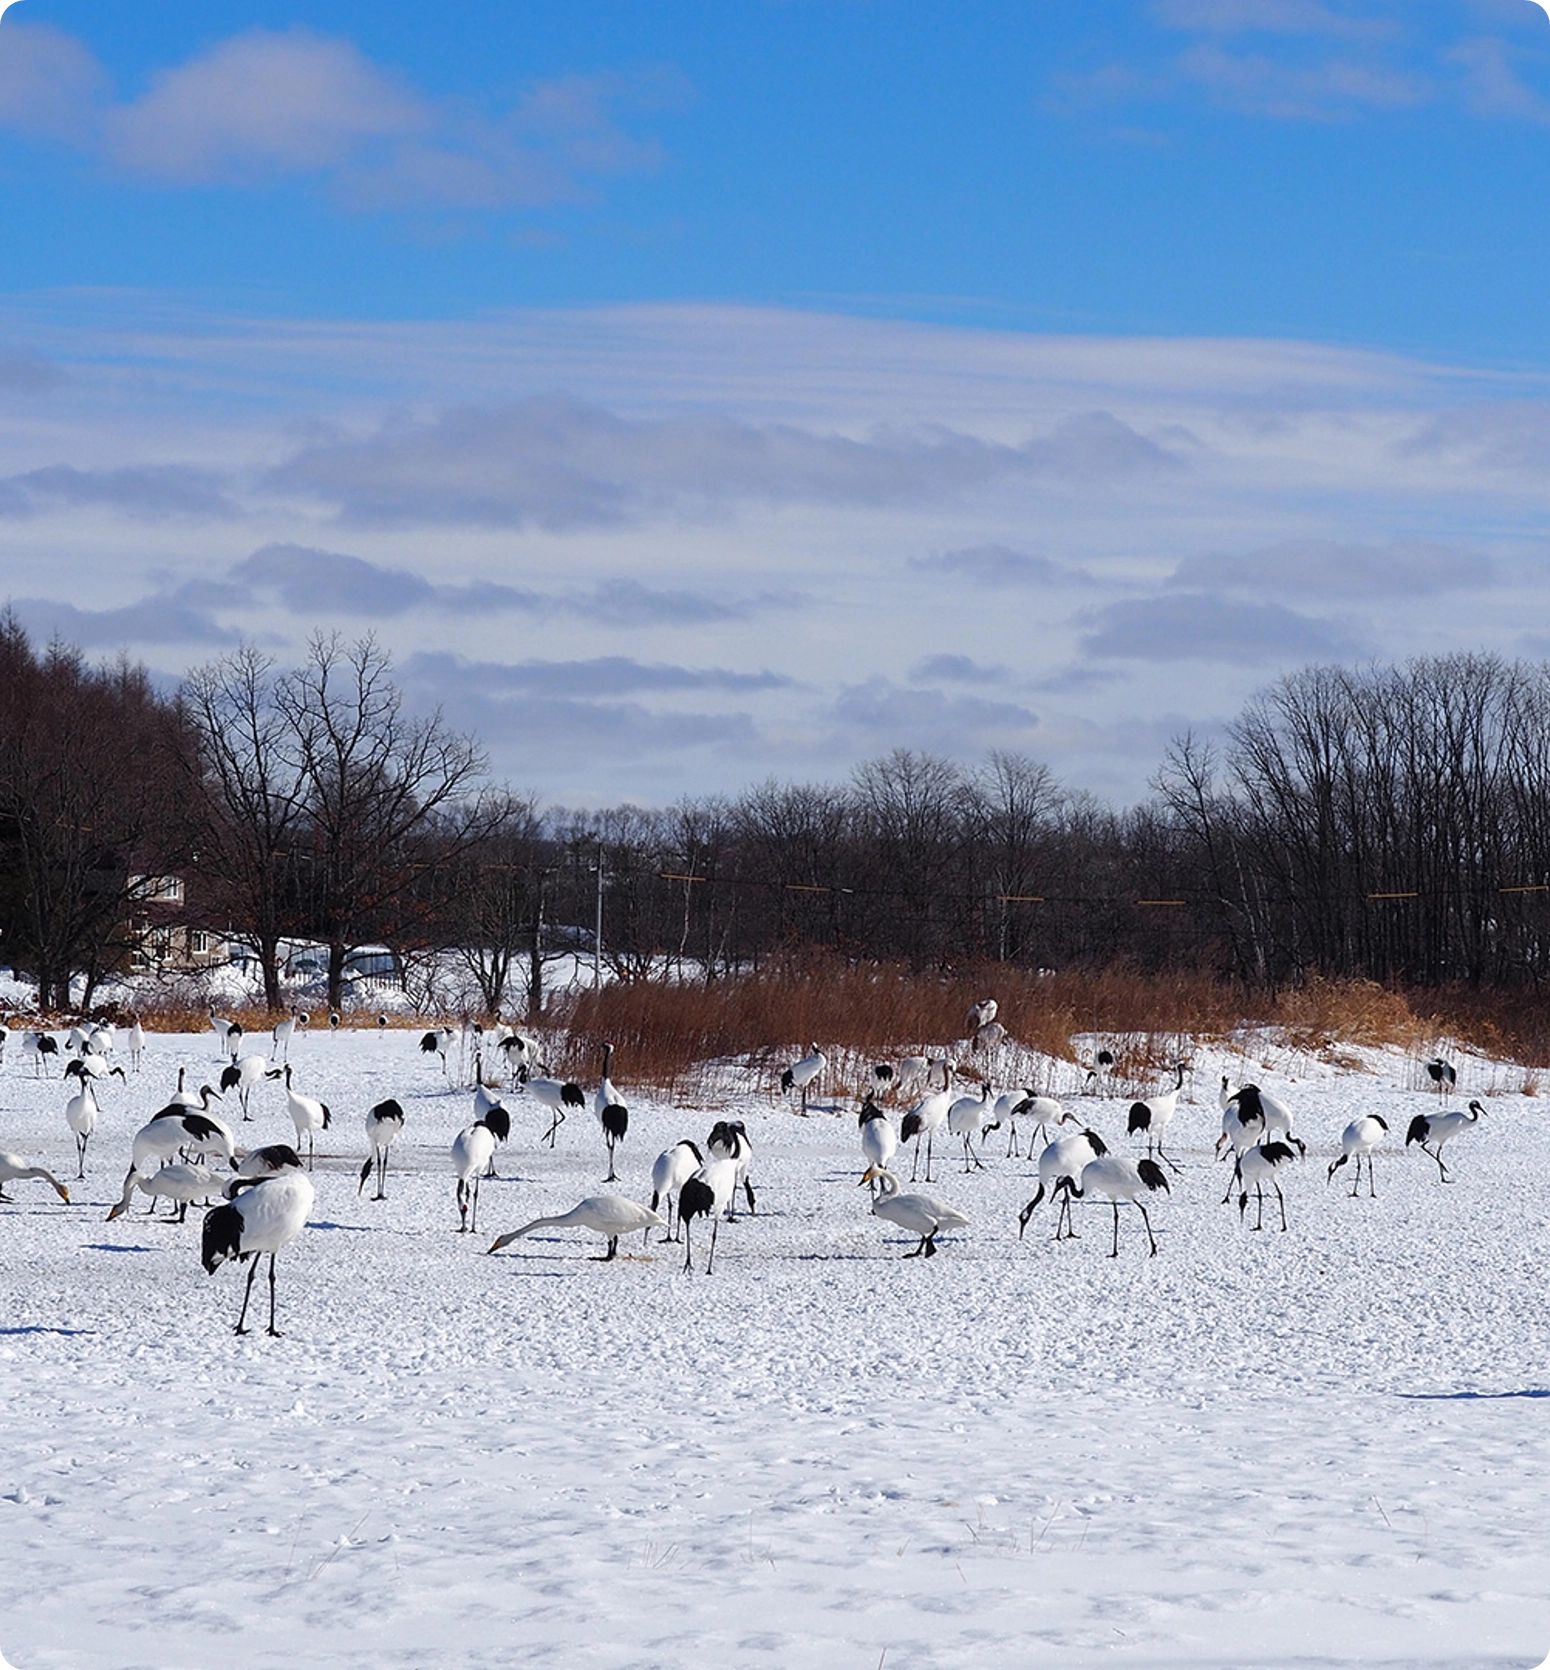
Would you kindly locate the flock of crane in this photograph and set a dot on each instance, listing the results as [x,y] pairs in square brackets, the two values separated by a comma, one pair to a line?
[263,1201]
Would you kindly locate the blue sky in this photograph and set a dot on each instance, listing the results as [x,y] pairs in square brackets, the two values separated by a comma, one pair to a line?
[954,376]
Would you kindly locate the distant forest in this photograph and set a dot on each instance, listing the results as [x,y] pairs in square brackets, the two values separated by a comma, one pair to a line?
[1387,822]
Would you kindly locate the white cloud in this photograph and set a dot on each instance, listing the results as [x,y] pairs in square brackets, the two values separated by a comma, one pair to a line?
[267,105]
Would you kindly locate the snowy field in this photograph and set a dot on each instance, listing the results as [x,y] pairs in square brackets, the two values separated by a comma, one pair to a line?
[1321,1448]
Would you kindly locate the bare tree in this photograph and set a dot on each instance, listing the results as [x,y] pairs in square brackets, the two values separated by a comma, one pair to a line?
[248,786]
[388,797]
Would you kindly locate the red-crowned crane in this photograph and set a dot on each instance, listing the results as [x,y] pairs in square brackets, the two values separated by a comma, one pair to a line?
[265,1217]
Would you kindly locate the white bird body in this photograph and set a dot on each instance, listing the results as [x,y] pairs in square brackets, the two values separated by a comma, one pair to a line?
[177,1130]
[14,1169]
[473,1152]
[384,1122]
[982,1014]
[612,1115]
[728,1140]
[610,1215]
[1154,1115]
[283,1032]
[879,1140]
[243,1074]
[1432,1130]
[967,1118]
[268,1161]
[672,1169]
[228,1035]
[1358,1142]
[1256,1167]
[927,1117]
[1114,1178]
[40,1046]
[93,1068]
[264,1218]
[801,1074]
[1063,1160]
[559,1096]
[136,1043]
[1044,1111]
[922,1215]
[708,1194]
[81,1117]
[179,1182]
[308,1115]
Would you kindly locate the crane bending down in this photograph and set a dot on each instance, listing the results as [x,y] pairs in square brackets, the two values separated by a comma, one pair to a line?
[1114,1178]
[1357,1143]
[610,1215]
[1062,1161]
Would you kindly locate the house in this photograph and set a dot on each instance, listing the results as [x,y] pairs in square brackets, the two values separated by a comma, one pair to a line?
[165,937]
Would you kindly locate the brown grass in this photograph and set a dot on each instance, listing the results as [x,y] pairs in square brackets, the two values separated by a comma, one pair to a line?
[866,1013]
[666,1033]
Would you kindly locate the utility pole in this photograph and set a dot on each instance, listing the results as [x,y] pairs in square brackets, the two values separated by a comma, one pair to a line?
[597,932]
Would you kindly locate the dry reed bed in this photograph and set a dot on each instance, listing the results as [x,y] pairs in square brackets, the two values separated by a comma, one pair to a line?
[669,1032]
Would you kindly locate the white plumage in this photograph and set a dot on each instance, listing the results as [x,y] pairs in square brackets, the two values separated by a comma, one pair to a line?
[922,1215]
[1063,1160]
[14,1169]
[264,1218]
[610,1215]
[81,1117]
[967,1118]
[308,1115]
[1254,1168]
[801,1074]
[672,1169]
[178,1182]
[1432,1130]
[1115,1179]
[927,1117]
[1357,1143]
[473,1149]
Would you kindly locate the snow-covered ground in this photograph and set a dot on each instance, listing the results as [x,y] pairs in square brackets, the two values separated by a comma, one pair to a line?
[1320,1448]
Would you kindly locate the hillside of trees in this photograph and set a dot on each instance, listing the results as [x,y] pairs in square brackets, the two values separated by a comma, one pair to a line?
[1390,823]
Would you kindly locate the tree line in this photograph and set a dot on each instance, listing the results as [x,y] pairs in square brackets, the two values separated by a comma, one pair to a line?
[1387,822]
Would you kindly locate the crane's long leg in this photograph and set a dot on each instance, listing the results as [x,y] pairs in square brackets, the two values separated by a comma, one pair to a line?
[1115,1252]
[688,1245]
[462,1206]
[1161,1155]
[753,1210]
[1437,1156]
[1146,1219]
[273,1331]
[929,1136]
[915,1169]
[1372,1193]
[1232,1182]
[247,1293]
[710,1263]
[1282,1199]
[473,1216]
[612,1176]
